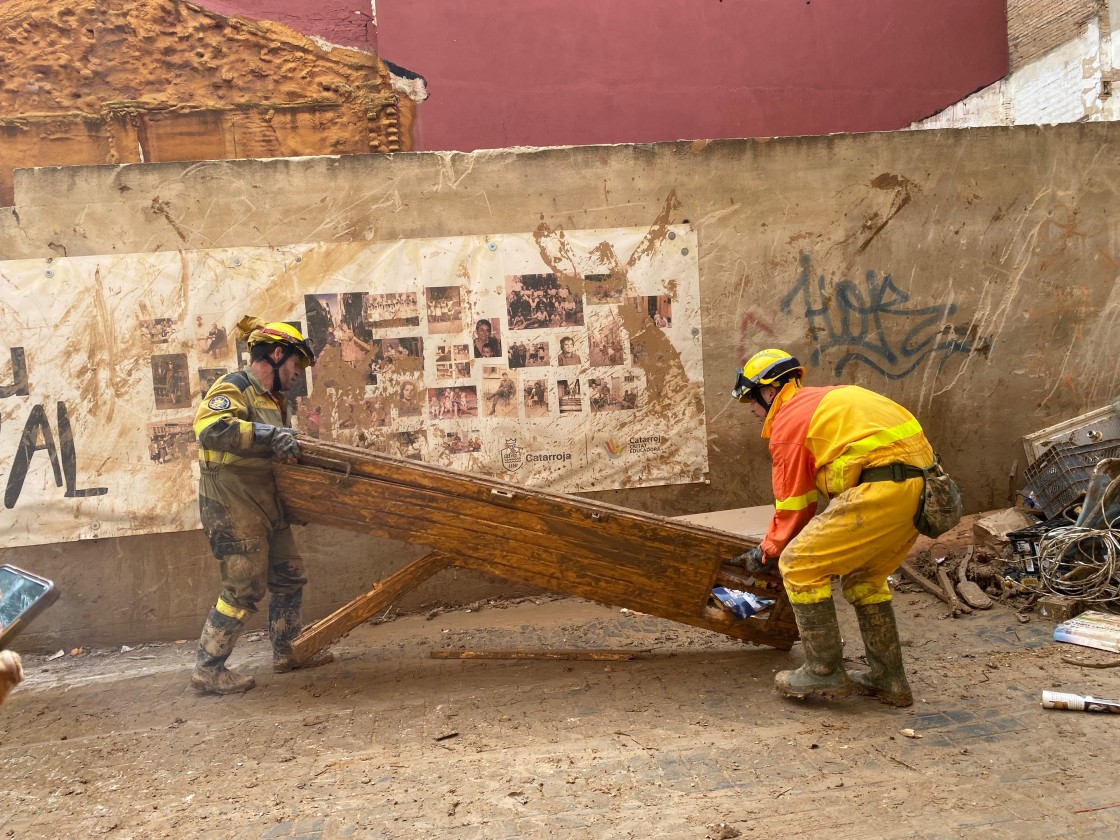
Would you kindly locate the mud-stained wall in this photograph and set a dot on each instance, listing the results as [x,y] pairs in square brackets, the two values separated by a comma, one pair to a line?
[165,80]
[970,275]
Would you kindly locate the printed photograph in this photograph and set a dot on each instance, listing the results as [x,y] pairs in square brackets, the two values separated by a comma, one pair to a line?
[658,308]
[172,441]
[158,330]
[570,396]
[394,309]
[535,301]
[309,417]
[499,389]
[410,398]
[207,377]
[604,334]
[444,309]
[410,444]
[355,351]
[613,393]
[461,441]
[379,411]
[568,352]
[322,319]
[171,381]
[453,403]
[210,337]
[605,288]
[535,397]
[532,353]
[487,338]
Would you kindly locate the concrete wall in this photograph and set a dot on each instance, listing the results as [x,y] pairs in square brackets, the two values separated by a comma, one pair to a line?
[969,274]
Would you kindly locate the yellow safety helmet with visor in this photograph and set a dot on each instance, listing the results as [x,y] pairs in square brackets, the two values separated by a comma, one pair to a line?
[254,331]
[766,367]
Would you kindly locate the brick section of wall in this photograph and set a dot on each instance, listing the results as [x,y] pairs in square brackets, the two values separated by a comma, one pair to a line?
[1035,27]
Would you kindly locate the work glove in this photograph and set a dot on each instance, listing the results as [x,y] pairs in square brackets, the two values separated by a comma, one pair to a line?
[753,560]
[281,440]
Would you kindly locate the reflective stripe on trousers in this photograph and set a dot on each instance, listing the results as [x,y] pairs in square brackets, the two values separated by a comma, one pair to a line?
[863,537]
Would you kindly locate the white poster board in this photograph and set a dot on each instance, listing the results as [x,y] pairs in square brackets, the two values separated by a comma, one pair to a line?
[569,361]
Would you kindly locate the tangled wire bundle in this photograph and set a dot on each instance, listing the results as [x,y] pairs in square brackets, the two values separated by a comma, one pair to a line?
[1094,556]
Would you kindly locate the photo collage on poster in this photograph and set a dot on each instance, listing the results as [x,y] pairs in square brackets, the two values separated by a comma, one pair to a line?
[420,374]
[173,439]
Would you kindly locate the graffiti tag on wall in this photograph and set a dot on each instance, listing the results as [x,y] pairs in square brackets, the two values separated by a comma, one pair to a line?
[875,324]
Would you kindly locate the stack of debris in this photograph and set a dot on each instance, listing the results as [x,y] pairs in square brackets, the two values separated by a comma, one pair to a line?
[1059,551]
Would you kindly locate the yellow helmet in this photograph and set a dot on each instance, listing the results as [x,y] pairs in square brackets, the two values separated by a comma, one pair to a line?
[255,332]
[766,367]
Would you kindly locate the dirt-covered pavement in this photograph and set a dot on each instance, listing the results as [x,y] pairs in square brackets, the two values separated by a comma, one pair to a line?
[688,740]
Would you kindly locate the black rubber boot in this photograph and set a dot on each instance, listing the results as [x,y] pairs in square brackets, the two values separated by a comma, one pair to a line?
[887,678]
[823,673]
[219,634]
[285,620]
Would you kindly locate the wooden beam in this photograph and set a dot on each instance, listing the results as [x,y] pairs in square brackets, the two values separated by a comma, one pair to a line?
[329,630]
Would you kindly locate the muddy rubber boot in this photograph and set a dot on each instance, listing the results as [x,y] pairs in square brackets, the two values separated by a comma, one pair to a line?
[823,673]
[887,678]
[219,634]
[285,620]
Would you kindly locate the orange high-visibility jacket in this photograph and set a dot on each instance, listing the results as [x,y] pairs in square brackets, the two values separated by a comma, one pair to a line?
[820,441]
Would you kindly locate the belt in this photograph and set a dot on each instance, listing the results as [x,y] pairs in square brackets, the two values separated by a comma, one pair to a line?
[891,472]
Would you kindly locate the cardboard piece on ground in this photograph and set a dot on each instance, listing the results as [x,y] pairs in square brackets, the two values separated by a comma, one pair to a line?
[991,531]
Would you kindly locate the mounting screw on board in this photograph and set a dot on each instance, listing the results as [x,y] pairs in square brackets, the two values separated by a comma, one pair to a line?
[695,332]
[684,251]
[672,234]
[493,246]
[49,273]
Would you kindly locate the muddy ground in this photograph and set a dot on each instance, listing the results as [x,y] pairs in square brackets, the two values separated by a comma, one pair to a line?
[687,740]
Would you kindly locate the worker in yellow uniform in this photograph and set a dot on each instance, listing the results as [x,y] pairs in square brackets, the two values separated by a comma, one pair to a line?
[864,453]
[242,424]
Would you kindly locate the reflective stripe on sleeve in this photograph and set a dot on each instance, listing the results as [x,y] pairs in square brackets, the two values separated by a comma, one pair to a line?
[797,502]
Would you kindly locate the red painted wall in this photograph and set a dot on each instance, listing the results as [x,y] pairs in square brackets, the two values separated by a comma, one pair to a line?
[553,72]
[348,23]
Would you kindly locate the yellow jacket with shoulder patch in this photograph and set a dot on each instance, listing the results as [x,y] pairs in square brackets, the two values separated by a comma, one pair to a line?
[224,421]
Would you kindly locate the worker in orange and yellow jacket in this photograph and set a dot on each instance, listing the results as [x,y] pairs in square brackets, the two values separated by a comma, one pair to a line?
[864,453]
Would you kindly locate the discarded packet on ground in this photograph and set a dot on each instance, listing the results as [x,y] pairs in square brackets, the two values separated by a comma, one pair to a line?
[742,604]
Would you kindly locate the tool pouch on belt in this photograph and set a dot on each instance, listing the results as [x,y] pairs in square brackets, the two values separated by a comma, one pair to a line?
[939,507]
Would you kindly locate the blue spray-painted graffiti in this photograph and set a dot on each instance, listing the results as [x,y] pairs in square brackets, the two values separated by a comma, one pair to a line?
[853,319]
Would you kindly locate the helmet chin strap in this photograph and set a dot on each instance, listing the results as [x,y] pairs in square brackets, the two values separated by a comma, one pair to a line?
[765,405]
[276,368]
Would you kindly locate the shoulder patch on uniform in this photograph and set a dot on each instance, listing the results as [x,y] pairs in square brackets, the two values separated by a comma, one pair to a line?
[218,403]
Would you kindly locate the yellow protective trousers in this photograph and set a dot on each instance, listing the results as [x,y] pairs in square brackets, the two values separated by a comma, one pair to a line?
[250,537]
[863,536]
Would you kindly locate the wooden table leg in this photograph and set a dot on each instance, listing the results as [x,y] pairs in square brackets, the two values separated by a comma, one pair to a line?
[329,630]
